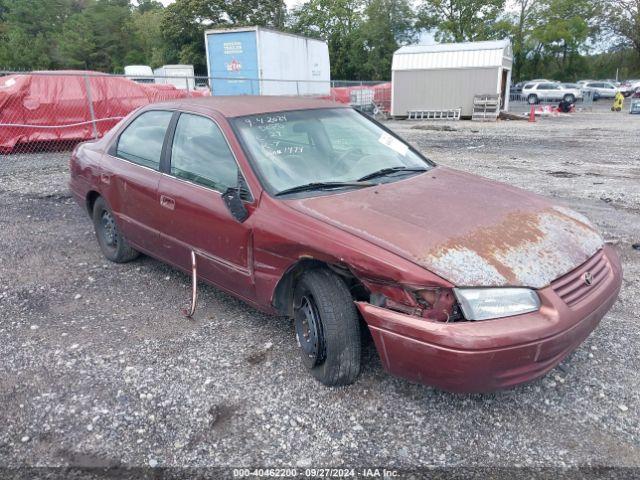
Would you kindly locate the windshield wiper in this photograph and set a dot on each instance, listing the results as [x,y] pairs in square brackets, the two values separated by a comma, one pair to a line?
[308,187]
[386,171]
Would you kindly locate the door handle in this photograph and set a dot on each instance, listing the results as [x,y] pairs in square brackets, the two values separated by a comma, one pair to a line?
[167,202]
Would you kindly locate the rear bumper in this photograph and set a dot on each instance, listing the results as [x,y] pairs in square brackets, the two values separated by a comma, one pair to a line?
[483,356]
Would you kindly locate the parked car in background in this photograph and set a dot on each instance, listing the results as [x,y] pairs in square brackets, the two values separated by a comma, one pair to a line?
[536,92]
[628,87]
[51,106]
[573,88]
[516,88]
[299,207]
[603,89]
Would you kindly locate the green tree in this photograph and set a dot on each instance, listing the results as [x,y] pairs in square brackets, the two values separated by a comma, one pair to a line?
[462,20]
[387,24]
[28,32]
[338,23]
[523,22]
[184,22]
[98,37]
[622,19]
[562,35]
[149,47]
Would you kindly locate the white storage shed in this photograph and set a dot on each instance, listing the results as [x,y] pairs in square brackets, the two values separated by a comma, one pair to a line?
[448,76]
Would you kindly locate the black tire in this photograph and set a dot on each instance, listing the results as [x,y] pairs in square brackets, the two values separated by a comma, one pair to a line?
[532,99]
[569,97]
[112,243]
[330,347]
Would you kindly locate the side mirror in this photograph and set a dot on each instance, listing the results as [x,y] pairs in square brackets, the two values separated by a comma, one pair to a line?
[234,203]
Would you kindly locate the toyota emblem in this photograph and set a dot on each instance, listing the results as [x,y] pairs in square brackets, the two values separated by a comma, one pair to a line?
[588,278]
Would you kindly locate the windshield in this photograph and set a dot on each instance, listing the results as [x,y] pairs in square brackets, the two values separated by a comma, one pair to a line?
[297,148]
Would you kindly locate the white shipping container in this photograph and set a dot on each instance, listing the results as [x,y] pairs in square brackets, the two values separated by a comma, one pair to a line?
[260,61]
[139,73]
[180,76]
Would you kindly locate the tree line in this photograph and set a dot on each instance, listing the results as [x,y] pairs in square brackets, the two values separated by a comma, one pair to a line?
[560,39]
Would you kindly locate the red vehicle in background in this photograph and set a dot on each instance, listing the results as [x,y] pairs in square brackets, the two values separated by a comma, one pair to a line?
[71,105]
[310,210]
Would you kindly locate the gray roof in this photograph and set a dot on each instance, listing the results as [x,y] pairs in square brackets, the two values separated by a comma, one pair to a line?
[453,55]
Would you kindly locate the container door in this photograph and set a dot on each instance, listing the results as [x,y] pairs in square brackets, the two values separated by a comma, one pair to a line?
[233,61]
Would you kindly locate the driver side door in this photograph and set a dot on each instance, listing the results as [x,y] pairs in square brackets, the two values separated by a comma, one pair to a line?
[198,168]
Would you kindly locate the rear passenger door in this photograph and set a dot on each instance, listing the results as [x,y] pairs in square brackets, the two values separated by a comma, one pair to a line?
[139,149]
[201,168]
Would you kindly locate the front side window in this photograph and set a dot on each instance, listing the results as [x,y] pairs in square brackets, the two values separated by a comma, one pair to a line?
[295,148]
[141,142]
[200,154]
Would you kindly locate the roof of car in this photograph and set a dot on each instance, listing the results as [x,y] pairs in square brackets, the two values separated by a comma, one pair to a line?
[238,106]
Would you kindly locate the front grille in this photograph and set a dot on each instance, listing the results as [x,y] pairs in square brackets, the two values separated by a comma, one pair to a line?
[572,288]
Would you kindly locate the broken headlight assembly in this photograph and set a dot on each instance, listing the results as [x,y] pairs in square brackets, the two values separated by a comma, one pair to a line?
[488,303]
[434,303]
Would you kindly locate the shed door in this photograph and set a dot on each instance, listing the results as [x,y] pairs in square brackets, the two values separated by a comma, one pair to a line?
[503,87]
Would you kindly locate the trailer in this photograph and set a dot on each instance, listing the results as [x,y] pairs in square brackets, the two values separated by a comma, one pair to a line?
[180,76]
[139,73]
[261,61]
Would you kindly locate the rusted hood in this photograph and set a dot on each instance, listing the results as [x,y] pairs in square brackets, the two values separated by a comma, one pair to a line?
[469,230]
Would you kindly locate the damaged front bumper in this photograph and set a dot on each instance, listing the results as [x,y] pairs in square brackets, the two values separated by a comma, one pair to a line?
[488,355]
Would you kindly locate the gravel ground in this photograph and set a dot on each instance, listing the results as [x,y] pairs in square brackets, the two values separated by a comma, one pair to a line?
[99,368]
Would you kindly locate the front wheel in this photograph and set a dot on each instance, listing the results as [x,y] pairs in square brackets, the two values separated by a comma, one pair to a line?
[532,99]
[112,243]
[327,328]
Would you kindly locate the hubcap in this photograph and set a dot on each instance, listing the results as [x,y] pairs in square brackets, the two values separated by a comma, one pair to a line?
[108,229]
[309,333]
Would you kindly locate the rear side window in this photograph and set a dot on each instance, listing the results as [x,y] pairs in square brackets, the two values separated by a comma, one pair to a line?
[200,154]
[141,142]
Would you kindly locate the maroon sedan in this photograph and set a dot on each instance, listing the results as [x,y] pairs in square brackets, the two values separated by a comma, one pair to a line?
[310,210]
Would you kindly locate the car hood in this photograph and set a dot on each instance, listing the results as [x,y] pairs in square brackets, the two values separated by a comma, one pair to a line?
[468,230]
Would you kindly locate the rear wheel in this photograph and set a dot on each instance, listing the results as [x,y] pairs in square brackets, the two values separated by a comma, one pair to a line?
[327,328]
[532,99]
[112,243]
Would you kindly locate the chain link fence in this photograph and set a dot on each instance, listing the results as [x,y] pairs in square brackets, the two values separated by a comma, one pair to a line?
[44,111]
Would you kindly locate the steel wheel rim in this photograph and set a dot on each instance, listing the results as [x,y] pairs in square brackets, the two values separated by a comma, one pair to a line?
[309,333]
[108,229]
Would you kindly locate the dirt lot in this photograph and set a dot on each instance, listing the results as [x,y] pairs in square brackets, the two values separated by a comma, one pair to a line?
[99,367]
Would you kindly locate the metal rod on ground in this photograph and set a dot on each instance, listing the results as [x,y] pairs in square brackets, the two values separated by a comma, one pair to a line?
[194,287]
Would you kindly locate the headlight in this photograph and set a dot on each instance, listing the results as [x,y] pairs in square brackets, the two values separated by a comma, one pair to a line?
[486,303]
